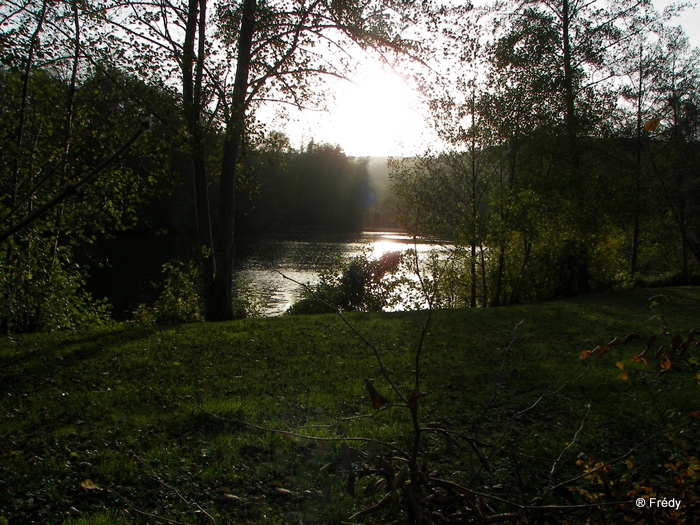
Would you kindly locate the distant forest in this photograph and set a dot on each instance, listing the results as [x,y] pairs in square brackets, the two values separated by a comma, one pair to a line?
[317,189]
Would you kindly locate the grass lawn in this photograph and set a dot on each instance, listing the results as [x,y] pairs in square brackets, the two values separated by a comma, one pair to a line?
[123,424]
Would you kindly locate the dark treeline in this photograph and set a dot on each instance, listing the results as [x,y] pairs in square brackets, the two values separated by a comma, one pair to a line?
[520,238]
[317,189]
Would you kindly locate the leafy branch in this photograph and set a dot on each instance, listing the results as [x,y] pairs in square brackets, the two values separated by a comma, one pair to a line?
[71,189]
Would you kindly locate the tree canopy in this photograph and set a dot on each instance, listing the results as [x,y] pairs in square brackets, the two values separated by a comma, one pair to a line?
[572,125]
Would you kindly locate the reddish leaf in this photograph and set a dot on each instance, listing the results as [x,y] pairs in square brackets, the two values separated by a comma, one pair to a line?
[616,341]
[378,400]
[88,484]
[650,342]
[693,415]
[399,478]
[652,125]
[374,486]
[657,354]
[691,337]
[585,354]
[639,359]
[665,362]
[623,376]
[483,505]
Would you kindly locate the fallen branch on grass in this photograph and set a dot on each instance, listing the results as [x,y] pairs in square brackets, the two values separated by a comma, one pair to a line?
[296,434]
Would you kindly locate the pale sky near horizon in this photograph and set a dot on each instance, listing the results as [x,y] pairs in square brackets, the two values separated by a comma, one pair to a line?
[379,114]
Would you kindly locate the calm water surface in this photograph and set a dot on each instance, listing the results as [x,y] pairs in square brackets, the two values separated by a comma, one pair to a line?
[263,262]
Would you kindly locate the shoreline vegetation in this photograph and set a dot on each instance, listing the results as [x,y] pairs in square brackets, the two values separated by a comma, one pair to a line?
[141,424]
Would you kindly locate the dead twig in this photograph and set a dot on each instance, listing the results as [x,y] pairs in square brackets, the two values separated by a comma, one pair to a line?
[177,492]
[18,358]
[143,512]
[568,446]
[296,434]
[616,460]
[382,369]
[504,359]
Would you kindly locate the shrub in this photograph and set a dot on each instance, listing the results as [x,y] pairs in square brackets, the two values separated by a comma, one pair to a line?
[179,299]
[364,285]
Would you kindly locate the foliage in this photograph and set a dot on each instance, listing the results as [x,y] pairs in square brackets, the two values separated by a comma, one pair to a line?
[679,475]
[48,294]
[46,153]
[316,189]
[179,300]
[362,284]
[570,162]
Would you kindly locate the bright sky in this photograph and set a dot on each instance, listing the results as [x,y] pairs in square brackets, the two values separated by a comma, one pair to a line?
[376,114]
[379,114]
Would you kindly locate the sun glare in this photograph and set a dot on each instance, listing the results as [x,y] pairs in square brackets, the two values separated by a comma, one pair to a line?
[377,114]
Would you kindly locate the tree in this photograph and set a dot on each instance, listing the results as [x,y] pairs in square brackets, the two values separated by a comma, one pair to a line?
[676,161]
[552,98]
[318,188]
[61,118]
[276,49]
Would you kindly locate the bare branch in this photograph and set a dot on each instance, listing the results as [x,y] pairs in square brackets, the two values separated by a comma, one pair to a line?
[296,434]
[382,369]
[179,495]
[567,447]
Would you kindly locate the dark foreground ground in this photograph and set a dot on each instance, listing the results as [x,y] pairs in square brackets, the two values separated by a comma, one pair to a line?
[135,424]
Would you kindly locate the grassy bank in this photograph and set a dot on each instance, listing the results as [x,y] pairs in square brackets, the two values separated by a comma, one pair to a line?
[119,425]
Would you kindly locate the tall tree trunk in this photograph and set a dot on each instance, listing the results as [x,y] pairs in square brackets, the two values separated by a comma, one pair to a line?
[68,129]
[569,94]
[220,293]
[485,290]
[19,134]
[636,212]
[515,294]
[192,78]
[496,297]
[472,299]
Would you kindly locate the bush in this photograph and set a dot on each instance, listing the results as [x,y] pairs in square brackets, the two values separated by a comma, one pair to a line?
[45,291]
[363,285]
[179,300]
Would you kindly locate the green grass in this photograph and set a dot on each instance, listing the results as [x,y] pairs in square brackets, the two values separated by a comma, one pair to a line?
[119,407]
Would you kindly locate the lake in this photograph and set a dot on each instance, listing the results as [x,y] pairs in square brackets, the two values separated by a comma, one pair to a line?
[129,265]
[262,261]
